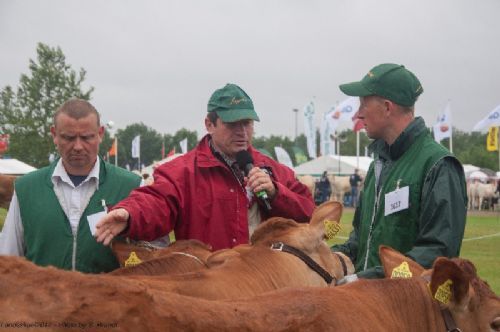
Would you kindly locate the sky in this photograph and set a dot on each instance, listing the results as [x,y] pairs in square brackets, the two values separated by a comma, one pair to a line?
[158,62]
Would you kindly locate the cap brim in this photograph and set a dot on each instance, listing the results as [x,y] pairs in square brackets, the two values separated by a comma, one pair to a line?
[355,89]
[237,115]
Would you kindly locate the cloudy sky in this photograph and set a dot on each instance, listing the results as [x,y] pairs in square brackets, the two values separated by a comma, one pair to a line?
[159,61]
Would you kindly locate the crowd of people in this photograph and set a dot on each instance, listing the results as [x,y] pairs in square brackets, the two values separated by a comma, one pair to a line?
[412,197]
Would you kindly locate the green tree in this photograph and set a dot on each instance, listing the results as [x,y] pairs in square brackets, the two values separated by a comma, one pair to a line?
[26,114]
[150,146]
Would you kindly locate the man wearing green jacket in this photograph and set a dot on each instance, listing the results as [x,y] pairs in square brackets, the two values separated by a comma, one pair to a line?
[414,195]
[54,210]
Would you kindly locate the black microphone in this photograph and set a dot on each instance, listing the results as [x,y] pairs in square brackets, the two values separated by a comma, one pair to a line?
[245,162]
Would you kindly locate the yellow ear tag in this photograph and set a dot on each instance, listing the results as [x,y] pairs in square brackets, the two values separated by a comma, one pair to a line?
[443,292]
[132,260]
[332,227]
[402,271]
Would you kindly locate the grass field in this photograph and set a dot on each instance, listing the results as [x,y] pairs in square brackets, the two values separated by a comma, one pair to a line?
[481,243]
[479,246]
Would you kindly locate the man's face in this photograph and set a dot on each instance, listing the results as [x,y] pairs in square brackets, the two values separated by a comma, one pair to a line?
[77,142]
[373,113]
[230,137]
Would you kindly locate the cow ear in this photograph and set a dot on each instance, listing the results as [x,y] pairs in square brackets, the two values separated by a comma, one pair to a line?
[330,210]
[397,265]
[449,283]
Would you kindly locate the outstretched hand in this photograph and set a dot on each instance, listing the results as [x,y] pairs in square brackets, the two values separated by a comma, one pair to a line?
[111,225]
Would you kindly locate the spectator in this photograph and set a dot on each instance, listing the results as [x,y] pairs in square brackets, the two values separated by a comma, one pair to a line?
[354,181]
[323,188]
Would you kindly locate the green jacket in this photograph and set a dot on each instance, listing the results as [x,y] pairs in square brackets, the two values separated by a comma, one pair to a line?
[47,231]
[434,222]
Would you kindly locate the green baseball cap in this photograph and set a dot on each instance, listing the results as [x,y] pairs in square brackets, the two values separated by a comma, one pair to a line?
[388,80]
[232,104]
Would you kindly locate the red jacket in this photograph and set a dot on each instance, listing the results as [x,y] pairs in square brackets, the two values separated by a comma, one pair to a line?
[198,197]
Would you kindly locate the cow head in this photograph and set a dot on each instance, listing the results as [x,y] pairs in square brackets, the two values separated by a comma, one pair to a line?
[303,236]
[309,238]
[455,285]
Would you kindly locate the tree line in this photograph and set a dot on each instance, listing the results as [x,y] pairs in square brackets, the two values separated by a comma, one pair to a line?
[26,116]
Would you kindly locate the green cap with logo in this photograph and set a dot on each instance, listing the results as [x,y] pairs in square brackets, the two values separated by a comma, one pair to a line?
[388,80]
[232,104]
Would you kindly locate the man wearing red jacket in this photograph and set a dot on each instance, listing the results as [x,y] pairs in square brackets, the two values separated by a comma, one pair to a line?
[204,194]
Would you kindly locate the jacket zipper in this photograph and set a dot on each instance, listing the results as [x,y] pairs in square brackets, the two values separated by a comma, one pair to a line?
[73,255]
[375,209]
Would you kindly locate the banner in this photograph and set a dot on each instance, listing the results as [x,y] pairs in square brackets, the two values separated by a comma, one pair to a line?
[492,120]
[136,146]
[442,128]
[184,145]
[310,130]
[300,156]
[492,139]
[283,156]
[326,145]
[171,153]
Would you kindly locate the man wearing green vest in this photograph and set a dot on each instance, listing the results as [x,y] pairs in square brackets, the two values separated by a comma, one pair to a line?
[53,212]
[414,197]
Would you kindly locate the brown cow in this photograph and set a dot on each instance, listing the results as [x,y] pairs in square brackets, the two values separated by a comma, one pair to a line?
[257,269]
[6,189]
[180,257]
[59,300]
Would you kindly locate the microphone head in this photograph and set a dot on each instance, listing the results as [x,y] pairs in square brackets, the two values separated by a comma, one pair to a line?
[243,158]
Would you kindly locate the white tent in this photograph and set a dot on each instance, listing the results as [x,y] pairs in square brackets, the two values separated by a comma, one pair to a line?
[343,165]
[14,167]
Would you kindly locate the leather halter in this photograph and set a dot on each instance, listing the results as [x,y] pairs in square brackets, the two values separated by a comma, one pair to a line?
[280,246]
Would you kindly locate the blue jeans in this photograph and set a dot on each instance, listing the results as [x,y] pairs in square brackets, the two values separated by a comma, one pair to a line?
[354,197]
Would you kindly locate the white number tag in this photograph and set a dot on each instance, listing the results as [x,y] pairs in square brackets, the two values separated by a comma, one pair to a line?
[397,200]
[93,219]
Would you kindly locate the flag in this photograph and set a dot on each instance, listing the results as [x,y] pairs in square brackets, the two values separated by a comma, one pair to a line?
[345,111]
[300,156]
[162,150]
[492,139]
[4,143]
[184,145]
[136,146]
[112,150]
[326,144]
[358,124]
[492,120]
[442,128]
[309,129]
[171,153]
[283,156]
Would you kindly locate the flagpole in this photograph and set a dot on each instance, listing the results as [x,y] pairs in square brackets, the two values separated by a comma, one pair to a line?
[357,149]
[498,146]
[116,152]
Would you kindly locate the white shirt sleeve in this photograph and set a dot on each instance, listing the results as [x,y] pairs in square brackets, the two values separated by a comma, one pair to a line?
[12,241]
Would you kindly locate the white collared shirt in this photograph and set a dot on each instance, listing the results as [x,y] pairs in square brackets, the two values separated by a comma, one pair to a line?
[73,201]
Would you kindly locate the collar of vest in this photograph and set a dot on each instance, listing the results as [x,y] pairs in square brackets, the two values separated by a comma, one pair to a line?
[409,135]
[103,170]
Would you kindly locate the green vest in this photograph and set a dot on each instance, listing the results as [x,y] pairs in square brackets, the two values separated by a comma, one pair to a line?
[47,231]
[398,230]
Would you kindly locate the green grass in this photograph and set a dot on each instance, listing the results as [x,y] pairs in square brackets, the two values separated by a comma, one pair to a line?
[3,214]
[484,253]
